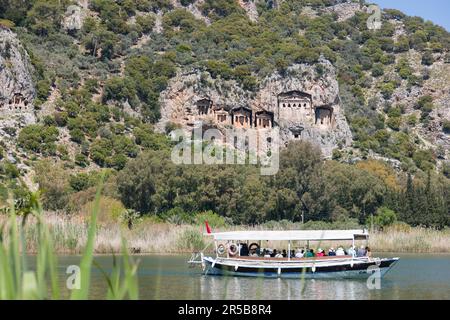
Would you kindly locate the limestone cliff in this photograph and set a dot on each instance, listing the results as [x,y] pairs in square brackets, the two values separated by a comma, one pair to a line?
[17,91]
[303,103]
[15,67]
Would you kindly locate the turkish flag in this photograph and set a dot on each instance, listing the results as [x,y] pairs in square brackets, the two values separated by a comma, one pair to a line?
[208,229]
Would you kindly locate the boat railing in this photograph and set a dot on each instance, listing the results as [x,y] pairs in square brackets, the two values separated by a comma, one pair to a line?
[297,260]
[197,257]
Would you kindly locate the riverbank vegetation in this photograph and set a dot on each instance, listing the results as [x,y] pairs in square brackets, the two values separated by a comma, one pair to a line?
[69,236]
[19,281]
[104,81]
[306,187]
[164,206]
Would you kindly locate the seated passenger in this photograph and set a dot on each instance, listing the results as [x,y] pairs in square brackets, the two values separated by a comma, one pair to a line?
[352,251]
[368,252]
[331,252]
[245,252]
[310,254]
[284,254]
[274,253]
[361,252]
[340,252]
[320,253]
[279,255]
[266,253]
[300,254]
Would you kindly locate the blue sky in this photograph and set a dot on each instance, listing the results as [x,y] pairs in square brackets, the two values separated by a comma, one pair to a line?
[437,11]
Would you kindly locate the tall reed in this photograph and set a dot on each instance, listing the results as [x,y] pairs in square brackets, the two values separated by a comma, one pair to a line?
[19,282]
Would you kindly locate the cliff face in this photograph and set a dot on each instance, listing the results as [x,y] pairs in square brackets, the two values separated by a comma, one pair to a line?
[17,90]
[15,67]
[303,103]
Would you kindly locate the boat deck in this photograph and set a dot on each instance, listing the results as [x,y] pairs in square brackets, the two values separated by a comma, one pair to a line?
[251,258]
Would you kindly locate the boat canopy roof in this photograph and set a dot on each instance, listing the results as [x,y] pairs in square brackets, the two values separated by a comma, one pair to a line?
[303,235]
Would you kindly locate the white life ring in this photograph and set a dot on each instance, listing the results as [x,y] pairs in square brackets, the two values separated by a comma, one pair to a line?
[221,249]
[233,249]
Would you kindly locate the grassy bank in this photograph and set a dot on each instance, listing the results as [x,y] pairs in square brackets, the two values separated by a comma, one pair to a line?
[70,236]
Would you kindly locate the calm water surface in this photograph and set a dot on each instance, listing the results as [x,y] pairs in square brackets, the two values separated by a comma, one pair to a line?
[169,277]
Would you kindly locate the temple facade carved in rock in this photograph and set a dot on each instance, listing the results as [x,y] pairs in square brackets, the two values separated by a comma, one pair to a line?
[16,103]
[296,107]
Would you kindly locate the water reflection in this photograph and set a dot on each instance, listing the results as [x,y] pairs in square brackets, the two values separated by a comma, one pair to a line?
[168,277]
[235,288]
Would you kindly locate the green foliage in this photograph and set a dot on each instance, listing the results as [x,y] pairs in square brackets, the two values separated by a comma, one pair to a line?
[39,139]
[377,70]
[427,58]
[394,123]
[387,89]
[385,217]
[213,219]
[45,16]
[446,126]
[404,69]
[190,240]
[424,159]
[425,105]
[424,201]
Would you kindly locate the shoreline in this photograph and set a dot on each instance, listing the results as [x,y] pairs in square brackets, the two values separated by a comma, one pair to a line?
[149,238]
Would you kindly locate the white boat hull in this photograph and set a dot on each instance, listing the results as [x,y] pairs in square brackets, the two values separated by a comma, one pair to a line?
[308,269]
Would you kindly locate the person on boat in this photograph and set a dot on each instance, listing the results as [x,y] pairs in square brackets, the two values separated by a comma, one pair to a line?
[331,252]
[274,253]
[368,252]
[310,254]
[352,251]
[266,253]
[320,253]
[340,252]
[300,254]
[284,254]
[279,255]
[245,252]
[361,252]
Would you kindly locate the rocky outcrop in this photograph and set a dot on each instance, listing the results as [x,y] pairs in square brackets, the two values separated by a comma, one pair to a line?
[303,103]
[15,73]
[344,10]
[75,15]
[250,8]
[194,8]
[17,91]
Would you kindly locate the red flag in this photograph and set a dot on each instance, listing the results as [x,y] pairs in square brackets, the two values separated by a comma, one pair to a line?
[208,229]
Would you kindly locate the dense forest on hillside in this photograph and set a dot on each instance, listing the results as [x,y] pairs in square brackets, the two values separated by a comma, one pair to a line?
[127,51]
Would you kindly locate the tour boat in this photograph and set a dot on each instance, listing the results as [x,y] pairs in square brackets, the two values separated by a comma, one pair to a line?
[228,259]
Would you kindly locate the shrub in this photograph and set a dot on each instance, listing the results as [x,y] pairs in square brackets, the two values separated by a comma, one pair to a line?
[387,89]
[110,211]
[394,123]
[385,217]
[446,126]
[377,70]
[427,58]
[81,160]
[214,220]
[39,139]
[190,240]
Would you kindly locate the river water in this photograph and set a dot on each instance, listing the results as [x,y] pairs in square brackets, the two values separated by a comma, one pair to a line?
[170,278]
